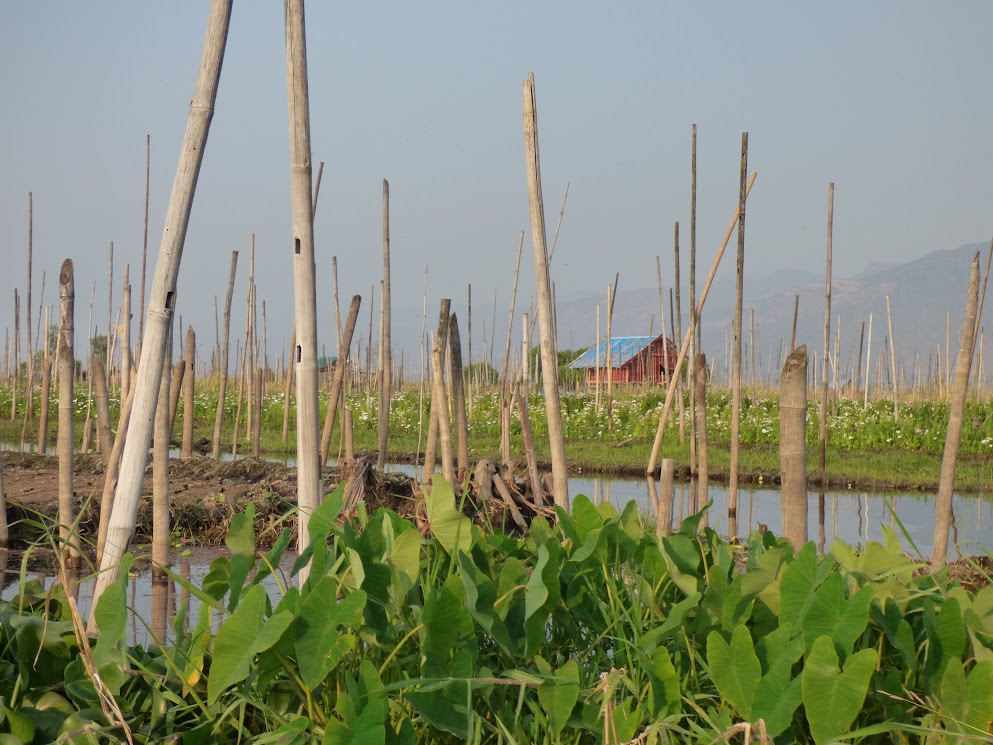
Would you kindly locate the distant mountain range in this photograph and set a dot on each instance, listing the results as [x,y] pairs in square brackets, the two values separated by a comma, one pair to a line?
[924,294]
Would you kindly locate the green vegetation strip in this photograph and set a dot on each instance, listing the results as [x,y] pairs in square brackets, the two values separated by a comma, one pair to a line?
[866,448]
[591,630]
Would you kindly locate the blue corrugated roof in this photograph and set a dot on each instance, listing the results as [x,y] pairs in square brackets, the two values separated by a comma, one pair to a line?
[623,349]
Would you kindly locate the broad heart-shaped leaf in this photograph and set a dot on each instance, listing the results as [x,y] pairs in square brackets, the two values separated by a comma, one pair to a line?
[240,541]
[836,615]
[777,698]
[321,641]
[452,529]
[945,634]
[558,696]
[363,711]
[480,598]
[442,620]
[542,592]
[587,518]
[734,669]
[111,615]
[243,635]
[832,698]
[897,630]
[967,702]
[796,588]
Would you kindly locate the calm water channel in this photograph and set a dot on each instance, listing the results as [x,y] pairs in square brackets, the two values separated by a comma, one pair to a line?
[853,517]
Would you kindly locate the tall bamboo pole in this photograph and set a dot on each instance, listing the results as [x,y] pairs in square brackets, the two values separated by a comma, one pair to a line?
[736,348]
[549,361]
[430,448]
[46,390]
[110,321]
[17,354]
[793,446]
[189,383]
[304,284]
[144,245]
[822,429]
[219,415]
[441,412]
[29,413]
[678,315]
[386,371]
[67,364]
[691,359]
[896,387]
[703,461]
[963,365]
[868,362]
[681,358]
[162,299]
[126,333]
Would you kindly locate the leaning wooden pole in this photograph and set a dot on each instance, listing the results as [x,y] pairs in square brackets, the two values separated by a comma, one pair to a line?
[219,414]
[304,282]
[458,394]
[144,247]
[340,368]
[386,369]
[736,348]
[896,386]
[162,300]
[67,368]
[669,395]
[678,315]
[822,428]
[963,366]
[549,361]
[793,446]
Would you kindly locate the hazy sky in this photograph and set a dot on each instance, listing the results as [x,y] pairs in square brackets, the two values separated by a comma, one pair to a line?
[890,100]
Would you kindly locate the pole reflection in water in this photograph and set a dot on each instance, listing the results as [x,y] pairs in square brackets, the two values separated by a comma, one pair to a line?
[184,593]
[820,523]
[160,599]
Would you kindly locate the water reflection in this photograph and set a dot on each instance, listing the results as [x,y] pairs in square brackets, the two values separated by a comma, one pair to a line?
[855,517]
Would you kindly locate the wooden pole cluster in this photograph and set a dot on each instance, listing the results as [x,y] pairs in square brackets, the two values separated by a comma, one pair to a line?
[667,406]
[549,361]
[162,300]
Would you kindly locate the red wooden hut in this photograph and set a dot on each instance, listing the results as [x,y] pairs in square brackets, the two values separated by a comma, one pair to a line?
[634,359]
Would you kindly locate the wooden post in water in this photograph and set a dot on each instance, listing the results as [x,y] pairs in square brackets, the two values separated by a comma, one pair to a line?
[386,369]
[549,361]
[679,335]
[441,413]
[160,469]
[963,365]
[304,283]
[67,367]
[666,496]
[822,425]
[4,533]
[793,446]
[430,449]
[219,415]
[162,300]
[736,368]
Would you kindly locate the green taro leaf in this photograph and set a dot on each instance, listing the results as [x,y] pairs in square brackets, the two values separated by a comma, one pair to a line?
[452,529]
[321,642]
[833,697]
[834,614]
[777,697]
[480,599]
[240,540]
[967,701]
[796,589]
[111,615]
[243,635]
[946,636]
[734,668]
[558,696]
